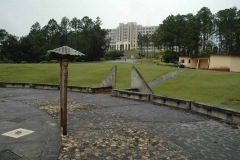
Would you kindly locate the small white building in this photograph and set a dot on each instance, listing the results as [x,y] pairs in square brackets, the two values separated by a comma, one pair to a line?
[214,62]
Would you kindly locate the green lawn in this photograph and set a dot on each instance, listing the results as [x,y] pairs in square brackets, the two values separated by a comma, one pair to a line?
[129,53]
[135,53]
[145,61]
[83,74]
[220,88]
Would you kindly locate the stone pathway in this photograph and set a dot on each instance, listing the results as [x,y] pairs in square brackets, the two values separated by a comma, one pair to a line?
[105,127]
[164,78]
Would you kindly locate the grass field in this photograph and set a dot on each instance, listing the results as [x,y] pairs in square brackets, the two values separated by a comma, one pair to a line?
[135,53]
[83,74]
[220,88]
[129,53]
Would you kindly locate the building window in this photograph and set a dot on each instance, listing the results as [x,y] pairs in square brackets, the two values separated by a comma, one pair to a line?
[189,61]
[182,61]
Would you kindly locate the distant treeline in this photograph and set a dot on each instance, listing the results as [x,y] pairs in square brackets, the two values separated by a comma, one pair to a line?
[84,35]
[192,35]
[201,34]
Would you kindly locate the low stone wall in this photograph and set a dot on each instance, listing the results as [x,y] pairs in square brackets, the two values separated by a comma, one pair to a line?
[46,86]
[227,114]
[100,89]
[131,93]
[170,101]
[16,85]
[82,89]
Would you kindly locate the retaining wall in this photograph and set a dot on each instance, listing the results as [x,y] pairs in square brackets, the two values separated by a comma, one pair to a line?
[170,101]
[227,114]
[45,86]
[16,85]
[82,89]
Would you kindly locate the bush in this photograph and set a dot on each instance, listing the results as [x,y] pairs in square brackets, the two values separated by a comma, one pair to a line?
[42,62]
[54,61]
[159,57]
[24,62]
[114,54]
[102,59]
[10,61]
[1,62]
[159,62]
[170,56]
[141,55]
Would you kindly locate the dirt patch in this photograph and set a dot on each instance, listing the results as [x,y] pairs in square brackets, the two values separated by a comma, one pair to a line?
[232,101]
[220,69]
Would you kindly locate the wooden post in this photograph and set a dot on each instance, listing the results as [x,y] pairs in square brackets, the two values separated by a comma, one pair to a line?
[197,63]
[64,93]
[63,53]
[61,97]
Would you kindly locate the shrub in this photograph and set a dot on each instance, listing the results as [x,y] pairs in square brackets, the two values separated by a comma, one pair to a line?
[54,61]
[159,62]
[1,62]
[43,62]
[10,61]
[170,56]
[102,59]
[114,54]
[24,62]
[141,55]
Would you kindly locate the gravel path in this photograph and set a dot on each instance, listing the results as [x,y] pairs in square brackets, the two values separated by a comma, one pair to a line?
[164,78]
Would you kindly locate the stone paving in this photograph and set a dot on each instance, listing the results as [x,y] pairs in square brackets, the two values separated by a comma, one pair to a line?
[164,78]
[105,127]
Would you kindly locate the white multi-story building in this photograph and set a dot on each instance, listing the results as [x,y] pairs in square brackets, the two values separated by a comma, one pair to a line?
[125,36]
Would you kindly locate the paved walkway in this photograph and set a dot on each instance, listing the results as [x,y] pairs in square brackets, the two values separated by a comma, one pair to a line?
[164,78]
[105,127]
[43,138]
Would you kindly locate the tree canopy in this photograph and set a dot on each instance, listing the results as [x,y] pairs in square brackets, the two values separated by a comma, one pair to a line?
[201,34]
[191,35]
[84,35]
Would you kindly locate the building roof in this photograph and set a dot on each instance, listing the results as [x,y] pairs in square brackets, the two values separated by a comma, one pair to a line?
[230,55]
[207,57]
[65,51]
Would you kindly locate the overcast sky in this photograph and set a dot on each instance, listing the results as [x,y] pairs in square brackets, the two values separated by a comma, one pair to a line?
[17,16]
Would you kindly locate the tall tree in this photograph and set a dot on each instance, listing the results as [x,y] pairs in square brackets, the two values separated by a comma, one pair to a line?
[64,29]
[226,23]
[52,33]
[140,42]
[205,20]
[76,26]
